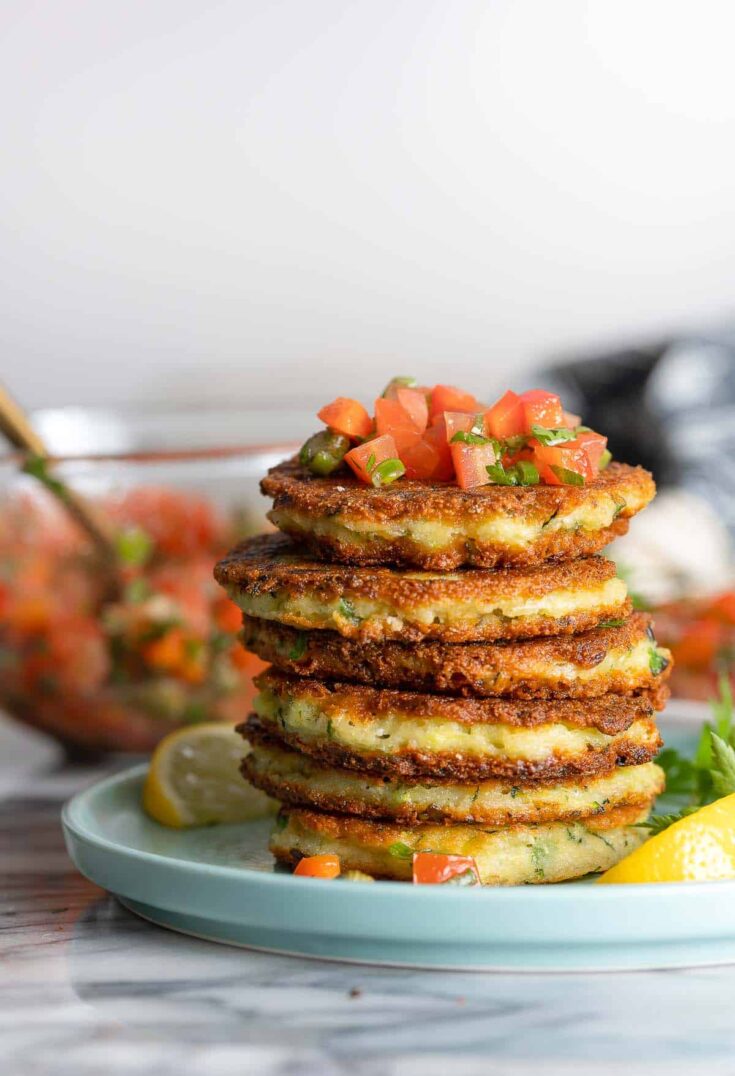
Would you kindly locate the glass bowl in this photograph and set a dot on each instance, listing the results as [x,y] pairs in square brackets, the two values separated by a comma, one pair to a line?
[117,671]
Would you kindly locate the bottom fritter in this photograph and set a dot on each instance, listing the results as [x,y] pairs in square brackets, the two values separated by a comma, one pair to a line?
[515,855]
[296,779]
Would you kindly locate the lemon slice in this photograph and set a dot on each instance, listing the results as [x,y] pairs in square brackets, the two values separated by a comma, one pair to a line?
[194,779]
[699,848]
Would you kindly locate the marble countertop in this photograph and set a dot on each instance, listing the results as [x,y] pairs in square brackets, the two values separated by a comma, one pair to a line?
[87,988]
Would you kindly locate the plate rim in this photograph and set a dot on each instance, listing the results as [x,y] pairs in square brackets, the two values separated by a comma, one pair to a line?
[386,890]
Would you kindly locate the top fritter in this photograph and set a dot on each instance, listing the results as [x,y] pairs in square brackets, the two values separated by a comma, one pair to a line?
[436,480]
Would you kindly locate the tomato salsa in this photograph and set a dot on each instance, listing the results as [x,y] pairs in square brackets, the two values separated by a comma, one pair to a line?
[120,672]
[444,434]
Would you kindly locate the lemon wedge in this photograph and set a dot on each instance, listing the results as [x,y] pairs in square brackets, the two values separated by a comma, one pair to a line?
[698,848]
[194,779]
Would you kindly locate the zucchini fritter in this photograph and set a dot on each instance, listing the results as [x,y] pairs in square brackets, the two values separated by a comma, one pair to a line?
[298,780]
[437,525]
[608,659]
[513,855]
[270,578]
[414,735]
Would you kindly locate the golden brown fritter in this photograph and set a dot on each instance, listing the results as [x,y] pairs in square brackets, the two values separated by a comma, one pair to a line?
[297,780]
[511,855]
[436,736]
[270,578]
[438,526]
[615,659]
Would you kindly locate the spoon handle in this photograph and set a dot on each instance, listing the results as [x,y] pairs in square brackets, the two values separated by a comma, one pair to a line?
[16,426]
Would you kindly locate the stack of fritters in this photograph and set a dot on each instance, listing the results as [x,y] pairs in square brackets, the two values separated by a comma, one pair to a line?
[458,674]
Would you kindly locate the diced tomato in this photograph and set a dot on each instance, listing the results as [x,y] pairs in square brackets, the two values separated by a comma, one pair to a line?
[594,445]
[461,421]
[448,398]
[542,409]
[436,436]
[570,421]
[380,448]
[506,418]
[421,460]
[699,644]
[177,653]
[434,868]
[347,416]
[723,607]
[471,462]
[324,866]
[572,456]
[393,419]
[179,524]
[413,402]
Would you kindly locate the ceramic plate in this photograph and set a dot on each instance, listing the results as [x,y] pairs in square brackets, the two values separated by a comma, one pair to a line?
[219,883]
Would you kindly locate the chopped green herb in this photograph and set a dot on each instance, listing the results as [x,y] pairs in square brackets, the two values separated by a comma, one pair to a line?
[612,623]
[370,465]
[657,661]
[620,504]
[134,546]
[399,850]
[462,437]
[522,473]
[386,472]
[553,437]
[137,590]
[568,477]
[347,610]
[298,649]
[281,821]
[605,459]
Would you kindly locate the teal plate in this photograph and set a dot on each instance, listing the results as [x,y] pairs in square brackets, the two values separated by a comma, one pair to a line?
[219,883]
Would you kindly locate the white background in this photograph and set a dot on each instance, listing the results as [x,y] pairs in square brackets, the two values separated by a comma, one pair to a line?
[236,200]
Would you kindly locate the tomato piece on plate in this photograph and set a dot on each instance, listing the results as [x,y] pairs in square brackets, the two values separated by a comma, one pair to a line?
[570,421]
[471,463]
[506,418]
[542,409]
[436,437]
[434,868]
[449,398]
[699,644]
[392,418]
[324,866]
[364,458]
[413,402]
[570,459]
[347,416]
[594,445]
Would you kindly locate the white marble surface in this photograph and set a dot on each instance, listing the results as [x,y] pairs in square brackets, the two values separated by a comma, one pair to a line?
[86,988]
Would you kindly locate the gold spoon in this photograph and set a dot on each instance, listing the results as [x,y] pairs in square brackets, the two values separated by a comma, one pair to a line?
[17,428]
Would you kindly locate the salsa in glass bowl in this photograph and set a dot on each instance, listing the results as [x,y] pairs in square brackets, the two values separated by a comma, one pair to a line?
[117,671]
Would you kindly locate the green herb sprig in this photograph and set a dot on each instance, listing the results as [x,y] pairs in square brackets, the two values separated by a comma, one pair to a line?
[710,774]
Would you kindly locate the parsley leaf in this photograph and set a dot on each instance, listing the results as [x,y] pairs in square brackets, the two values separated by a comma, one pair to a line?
[723,770]
[553,437]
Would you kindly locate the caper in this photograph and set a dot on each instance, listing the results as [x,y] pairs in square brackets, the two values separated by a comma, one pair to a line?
[324,452]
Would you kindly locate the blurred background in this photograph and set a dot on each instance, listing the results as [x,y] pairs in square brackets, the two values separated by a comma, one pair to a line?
[215,217]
